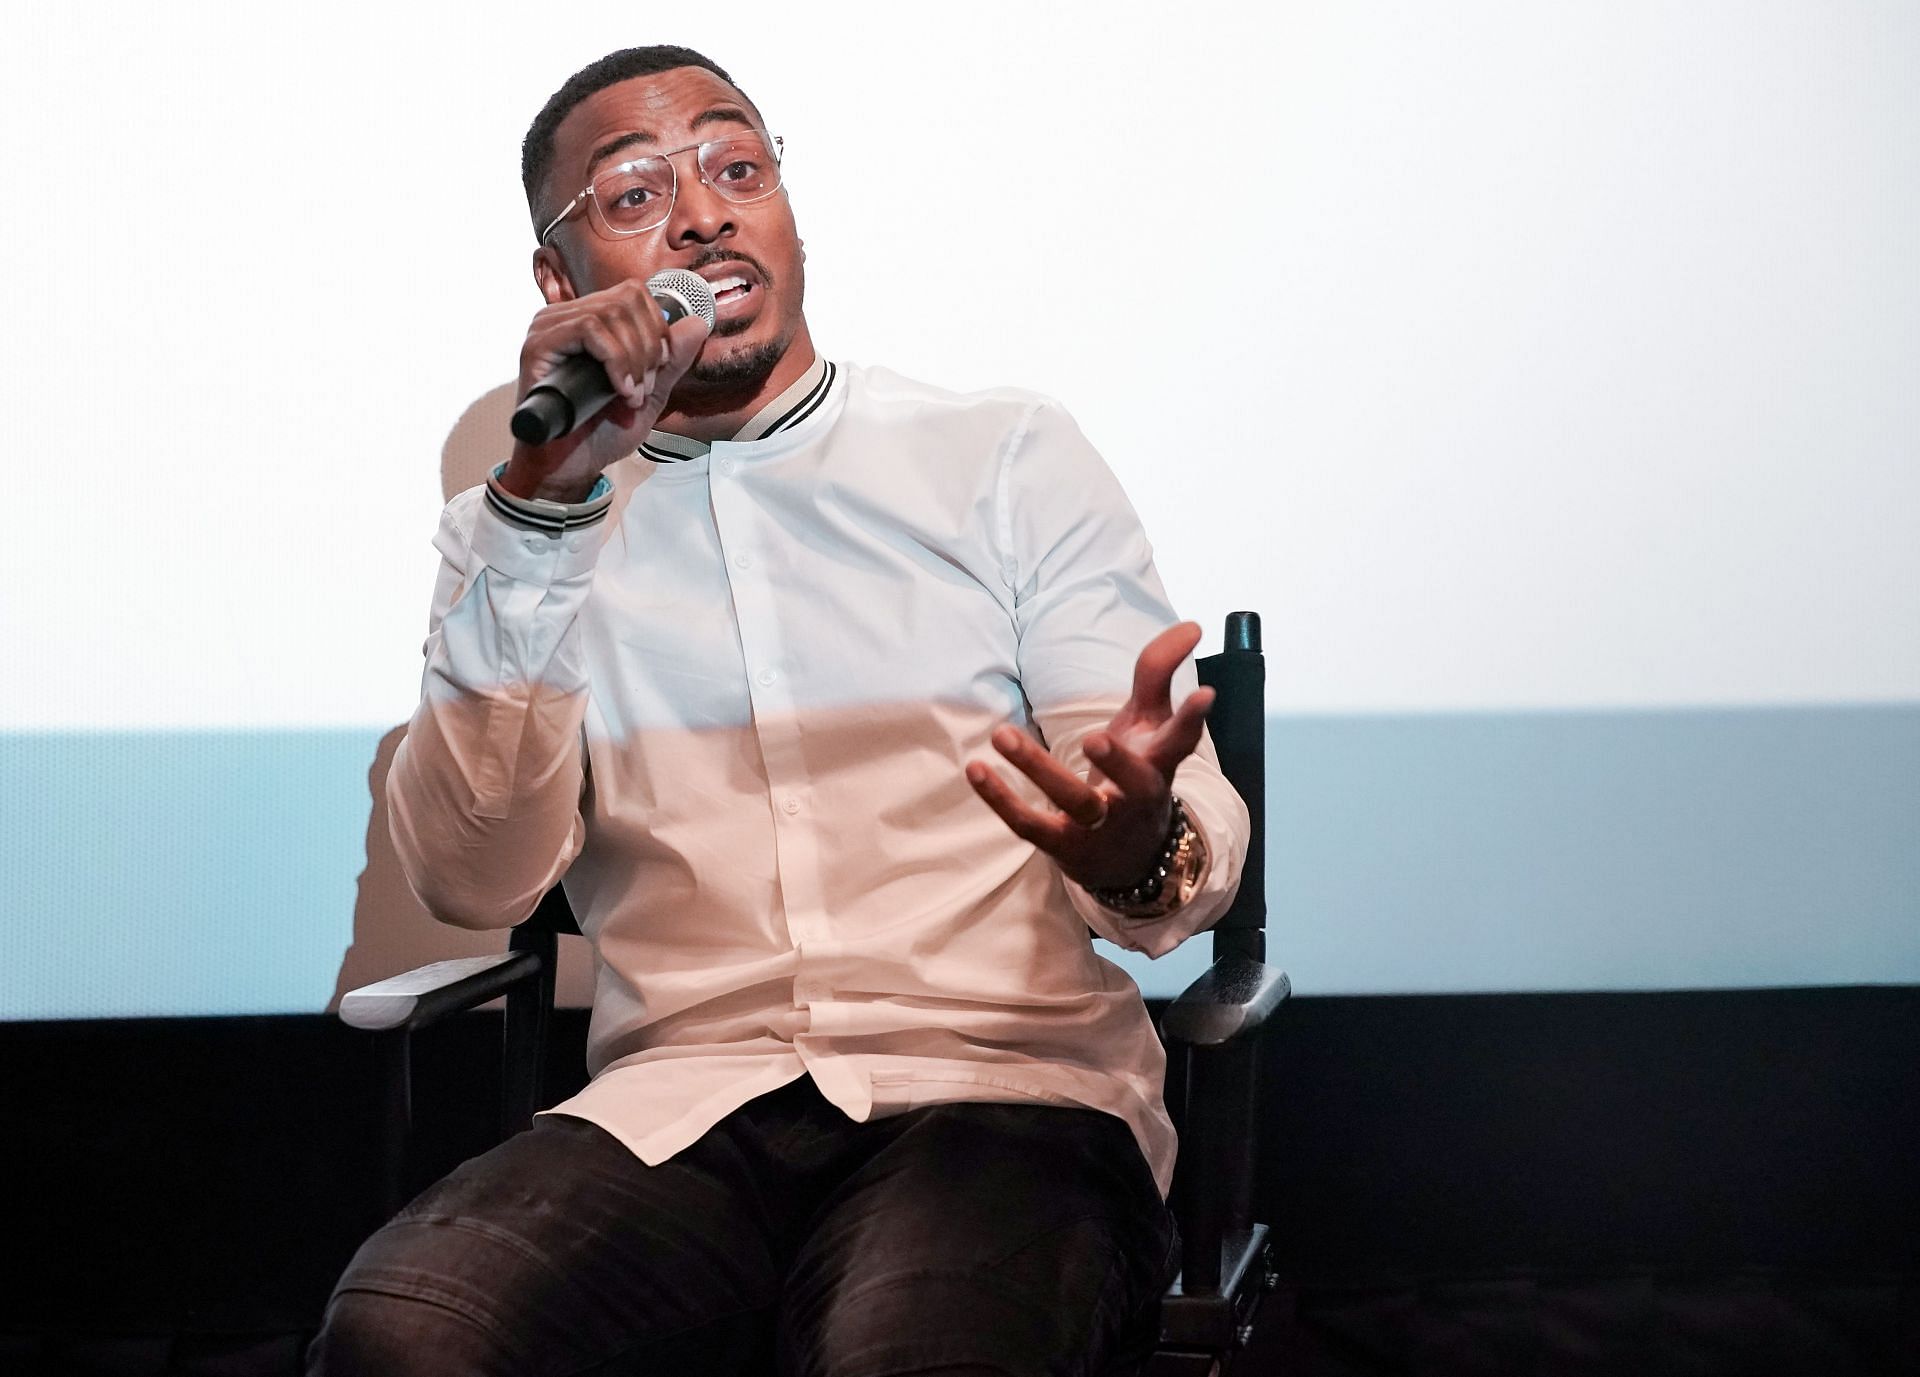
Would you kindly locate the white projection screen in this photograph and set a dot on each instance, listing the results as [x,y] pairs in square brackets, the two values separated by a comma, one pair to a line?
[1545,375]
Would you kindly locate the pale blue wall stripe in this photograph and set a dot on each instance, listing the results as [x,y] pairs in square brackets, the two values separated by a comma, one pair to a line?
[214,872]
[161,873]
[1590,850]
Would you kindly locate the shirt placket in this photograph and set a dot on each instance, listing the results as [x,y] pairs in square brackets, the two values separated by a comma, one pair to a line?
[736,505]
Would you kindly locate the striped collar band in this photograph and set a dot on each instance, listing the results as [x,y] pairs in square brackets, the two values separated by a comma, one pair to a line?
[784,412]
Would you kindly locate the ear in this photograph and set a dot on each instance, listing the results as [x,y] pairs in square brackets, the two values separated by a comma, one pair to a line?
[550,273]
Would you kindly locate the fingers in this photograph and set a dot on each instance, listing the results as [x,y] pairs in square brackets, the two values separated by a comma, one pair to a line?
[620,326]
[1134,774]
[610,340]
[1153,671]
[1072,795]
[681,346]
[1046,831]
[1179,736]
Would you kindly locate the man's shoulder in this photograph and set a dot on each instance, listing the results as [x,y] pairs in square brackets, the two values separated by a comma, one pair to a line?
[1006,428]
[885,391]
[463,508]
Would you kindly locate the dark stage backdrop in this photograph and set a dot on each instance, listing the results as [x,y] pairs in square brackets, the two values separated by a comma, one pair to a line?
[1702,1183]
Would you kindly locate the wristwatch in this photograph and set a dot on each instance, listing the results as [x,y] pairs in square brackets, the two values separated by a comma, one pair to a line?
[1171,880]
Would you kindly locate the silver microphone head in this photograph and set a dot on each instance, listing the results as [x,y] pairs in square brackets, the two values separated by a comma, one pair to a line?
[687,288]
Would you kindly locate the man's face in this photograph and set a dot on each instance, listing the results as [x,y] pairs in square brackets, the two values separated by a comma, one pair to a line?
[705,232]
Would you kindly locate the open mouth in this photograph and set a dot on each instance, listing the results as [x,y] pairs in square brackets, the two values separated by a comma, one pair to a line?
[727,290]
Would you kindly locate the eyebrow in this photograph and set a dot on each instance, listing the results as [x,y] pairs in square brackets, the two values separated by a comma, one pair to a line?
[719,114]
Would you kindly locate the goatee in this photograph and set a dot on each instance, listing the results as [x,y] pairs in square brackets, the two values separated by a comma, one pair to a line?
[730,384]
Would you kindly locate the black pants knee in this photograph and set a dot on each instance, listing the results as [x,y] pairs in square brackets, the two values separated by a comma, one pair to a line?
[1015,1238]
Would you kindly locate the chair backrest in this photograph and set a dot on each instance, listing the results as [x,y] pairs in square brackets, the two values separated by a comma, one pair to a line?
[1237,722]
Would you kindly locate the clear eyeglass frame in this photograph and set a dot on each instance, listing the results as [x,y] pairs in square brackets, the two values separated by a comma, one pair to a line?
[600,222]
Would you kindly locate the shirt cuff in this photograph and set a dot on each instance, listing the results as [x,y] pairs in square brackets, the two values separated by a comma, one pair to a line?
[1155,937]
[539,514]
[545,554]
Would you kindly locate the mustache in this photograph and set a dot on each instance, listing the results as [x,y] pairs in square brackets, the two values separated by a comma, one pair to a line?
[708,257]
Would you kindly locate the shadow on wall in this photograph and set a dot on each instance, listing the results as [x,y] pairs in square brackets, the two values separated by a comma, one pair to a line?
[478,441]
[392,932]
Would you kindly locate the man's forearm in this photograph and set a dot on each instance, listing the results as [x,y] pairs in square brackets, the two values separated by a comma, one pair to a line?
[483,803]
[483,797]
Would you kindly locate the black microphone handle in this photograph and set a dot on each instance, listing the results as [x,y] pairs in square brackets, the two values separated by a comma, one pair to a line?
[575,391]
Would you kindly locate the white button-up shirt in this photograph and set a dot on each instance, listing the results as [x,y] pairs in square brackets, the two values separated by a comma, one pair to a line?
[735,716]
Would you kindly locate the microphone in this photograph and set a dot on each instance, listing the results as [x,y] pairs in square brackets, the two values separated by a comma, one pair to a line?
[573,393]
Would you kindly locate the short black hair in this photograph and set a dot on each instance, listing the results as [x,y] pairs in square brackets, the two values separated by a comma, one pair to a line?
[536,150]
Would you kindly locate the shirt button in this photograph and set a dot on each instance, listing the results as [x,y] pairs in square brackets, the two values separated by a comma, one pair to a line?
[726,467]
[533,543]
[573,544]
[743,561]
[792,806]
[767,676]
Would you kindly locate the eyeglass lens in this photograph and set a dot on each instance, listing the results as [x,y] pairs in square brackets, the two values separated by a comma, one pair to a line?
[637,195]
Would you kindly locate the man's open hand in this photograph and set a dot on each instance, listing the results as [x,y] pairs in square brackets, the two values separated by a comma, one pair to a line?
[1109,827]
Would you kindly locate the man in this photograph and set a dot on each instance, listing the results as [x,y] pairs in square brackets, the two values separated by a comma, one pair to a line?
[729,658]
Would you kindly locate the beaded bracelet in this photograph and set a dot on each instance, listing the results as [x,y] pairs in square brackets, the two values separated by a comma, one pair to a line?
[1148,891]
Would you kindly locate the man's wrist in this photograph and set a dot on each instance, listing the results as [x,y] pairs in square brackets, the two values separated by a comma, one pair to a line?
[1172,878]
[544,513]
[525,481]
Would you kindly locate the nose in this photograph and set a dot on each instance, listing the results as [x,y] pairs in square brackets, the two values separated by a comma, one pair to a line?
[700,214]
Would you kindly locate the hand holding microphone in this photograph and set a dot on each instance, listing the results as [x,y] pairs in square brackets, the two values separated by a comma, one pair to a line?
[595,374]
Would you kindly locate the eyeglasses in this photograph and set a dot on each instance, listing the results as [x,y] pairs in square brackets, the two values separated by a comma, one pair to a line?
[636,196]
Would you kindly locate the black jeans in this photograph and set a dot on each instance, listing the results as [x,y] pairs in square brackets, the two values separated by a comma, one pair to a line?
[975,1238]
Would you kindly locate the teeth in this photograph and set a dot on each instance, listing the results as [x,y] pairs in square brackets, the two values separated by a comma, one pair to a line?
[726,284]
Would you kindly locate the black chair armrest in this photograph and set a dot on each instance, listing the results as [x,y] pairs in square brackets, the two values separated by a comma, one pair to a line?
[1230,1002]
[423,996]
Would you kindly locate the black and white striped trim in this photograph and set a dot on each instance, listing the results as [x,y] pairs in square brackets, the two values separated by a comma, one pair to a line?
[663,456]
[806,406]
[802,408]
[554,518]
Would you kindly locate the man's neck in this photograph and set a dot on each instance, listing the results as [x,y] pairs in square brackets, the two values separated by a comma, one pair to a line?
[724,425]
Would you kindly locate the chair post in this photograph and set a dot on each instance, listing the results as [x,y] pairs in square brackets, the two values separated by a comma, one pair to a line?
[395,1050]
[529,1005]
[1216,1179]
[1242,1075]
[1217,1153]
[1250,943]
[1237,724]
